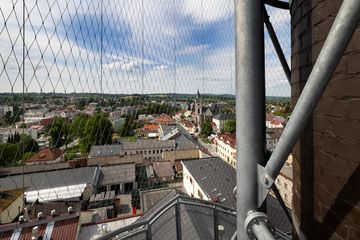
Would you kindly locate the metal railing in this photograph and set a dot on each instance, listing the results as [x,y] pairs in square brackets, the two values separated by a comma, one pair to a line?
[144,226]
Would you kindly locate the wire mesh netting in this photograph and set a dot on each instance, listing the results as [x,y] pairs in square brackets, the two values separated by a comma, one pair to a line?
[98,103]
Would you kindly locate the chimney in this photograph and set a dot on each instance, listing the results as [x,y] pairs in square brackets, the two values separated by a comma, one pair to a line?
[26,214]
[53,213]
[70,209]
[103,229]
[35,233]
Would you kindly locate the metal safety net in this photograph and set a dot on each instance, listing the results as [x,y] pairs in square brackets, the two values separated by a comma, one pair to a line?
[107,107]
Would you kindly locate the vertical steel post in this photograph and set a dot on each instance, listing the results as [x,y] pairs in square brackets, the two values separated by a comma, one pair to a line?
[250,104]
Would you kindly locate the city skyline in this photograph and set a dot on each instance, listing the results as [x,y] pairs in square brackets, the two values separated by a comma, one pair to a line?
[176,51]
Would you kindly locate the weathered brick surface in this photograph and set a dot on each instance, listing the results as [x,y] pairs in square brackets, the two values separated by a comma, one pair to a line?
[327,157]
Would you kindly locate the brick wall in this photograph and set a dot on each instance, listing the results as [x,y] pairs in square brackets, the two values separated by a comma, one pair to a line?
[326,200]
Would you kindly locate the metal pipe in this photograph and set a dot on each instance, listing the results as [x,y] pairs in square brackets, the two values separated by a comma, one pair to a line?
[262,232]
[339,36]
[277,46]
[250,104]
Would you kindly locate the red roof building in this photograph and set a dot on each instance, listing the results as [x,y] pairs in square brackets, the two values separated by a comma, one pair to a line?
[46,155]
[56,228]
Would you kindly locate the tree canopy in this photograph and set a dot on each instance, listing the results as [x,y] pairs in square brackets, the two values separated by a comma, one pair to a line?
[98,131]
[230,126]
[206,128]
[59,133]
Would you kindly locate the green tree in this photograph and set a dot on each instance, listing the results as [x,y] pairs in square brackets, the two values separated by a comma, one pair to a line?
[9,154]
[77,127]
[28,144]
[230,126]
[98,131]
[59,133]
[206,128]
[127,129]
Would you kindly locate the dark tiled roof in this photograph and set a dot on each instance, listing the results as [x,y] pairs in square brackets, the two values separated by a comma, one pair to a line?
[183,143]
[163,169]
[225,116]
[215,177]
[124,173]
[51,179]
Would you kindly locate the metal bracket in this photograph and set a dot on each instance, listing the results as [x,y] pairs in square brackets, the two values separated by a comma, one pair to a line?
[256,218]
[264,184]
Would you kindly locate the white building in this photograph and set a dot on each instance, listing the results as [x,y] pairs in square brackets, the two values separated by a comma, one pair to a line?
[284,182]
[226,148]
[210,179]
[220,119]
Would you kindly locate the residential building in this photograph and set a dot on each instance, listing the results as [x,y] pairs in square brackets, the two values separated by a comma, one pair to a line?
[284,182]
[118,178]
[226,148]
[220,119]
[210,179]
[11,203]
[272,137]
[5,109]
[164,171]
[47,228]
[150,149]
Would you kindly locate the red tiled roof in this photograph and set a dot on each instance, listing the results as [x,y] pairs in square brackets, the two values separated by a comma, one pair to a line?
[229,139]
[6,235]
[46,121]
[45,155]
[151,127]
[164,119]
[26,233]
[276,122]
[66,228]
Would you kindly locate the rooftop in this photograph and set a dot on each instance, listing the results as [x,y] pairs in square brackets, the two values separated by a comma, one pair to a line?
[116,174]
[215,177]
[51,179]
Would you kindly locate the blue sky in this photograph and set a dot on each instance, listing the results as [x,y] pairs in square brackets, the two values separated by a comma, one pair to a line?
[161,46]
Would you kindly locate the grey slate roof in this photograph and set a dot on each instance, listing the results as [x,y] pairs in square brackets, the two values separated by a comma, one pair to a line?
[215,177]
[105,150]
[50,179]
[147,143]
[225,116]
[183,143]
[197,222]
[163,169]
[124,173]
[139,144]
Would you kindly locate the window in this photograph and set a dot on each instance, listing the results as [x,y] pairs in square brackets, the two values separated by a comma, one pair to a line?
[190,180]
[157,151]
[285,196]
[153,151]
[285,186]
[200,195]
[278,181]
[145,152]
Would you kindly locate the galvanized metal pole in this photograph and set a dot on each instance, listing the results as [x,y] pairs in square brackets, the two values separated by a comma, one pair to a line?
[250,104]
[336,42]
